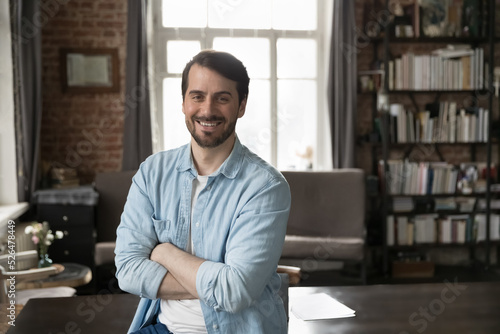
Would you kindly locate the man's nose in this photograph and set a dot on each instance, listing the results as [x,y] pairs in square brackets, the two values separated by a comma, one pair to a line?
[207,106]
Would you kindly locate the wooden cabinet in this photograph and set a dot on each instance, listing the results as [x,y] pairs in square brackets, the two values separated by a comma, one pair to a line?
[71,211]
[77,224]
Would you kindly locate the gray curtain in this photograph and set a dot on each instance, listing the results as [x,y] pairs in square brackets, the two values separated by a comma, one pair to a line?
[137,140]
[26,49]
[342,84]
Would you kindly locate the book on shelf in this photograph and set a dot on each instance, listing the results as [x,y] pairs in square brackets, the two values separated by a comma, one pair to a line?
[425,228]
[454,51]
[454,229]
[438,229]
[480,221]
[402,204]
[406,177]
[442,69]
[465,204]
[439,123]
[494,204]
[418,178]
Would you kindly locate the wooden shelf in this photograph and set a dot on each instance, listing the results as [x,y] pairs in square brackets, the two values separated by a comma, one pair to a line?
[440,91]
[437,245]
[437,40]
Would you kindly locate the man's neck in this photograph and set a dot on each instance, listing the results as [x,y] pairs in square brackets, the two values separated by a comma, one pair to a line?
[208,160]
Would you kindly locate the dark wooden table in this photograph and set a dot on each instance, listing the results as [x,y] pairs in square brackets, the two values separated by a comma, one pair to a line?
[93,314]
[448,307]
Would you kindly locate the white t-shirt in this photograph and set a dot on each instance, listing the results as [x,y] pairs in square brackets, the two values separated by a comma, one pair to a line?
[185,315]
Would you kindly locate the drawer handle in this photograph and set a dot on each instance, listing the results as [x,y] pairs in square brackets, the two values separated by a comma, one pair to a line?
[65,218]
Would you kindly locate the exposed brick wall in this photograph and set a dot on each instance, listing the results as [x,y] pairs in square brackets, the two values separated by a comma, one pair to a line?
[82,131]
[365,57]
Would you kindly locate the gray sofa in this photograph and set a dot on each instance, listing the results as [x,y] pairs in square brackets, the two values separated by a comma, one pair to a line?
[327,218]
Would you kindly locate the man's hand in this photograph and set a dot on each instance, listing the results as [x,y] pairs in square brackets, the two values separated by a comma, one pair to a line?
[182,267]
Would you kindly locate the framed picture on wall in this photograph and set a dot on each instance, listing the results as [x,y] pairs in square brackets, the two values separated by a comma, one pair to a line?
[89,70]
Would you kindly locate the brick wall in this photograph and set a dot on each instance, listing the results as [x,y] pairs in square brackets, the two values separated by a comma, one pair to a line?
[82,131]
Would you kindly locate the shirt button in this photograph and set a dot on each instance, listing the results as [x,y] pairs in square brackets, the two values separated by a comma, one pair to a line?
[215,326]
[209,187]
[197,224]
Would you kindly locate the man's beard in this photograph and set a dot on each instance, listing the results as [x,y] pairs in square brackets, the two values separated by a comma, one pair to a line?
[209,141]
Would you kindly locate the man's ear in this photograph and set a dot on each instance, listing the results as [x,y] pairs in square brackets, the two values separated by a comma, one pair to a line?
[243,106]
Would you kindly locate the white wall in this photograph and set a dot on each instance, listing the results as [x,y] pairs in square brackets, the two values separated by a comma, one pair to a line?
[8,179]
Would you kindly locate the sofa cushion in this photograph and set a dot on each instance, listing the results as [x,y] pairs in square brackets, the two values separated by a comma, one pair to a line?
[327,203]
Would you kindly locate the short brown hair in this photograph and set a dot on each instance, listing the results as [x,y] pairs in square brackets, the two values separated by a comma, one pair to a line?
[223,63]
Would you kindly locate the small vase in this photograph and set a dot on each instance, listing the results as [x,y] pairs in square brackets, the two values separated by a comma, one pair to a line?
[45,261]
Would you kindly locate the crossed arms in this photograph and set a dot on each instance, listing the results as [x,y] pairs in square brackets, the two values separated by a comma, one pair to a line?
[250,251]
[180,280]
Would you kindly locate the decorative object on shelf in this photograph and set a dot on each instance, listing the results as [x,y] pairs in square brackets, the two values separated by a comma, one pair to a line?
[42,236]
[62,178]
[406,18]
[433,16]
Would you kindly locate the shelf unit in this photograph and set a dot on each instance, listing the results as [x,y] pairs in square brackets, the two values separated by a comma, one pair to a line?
[386,146]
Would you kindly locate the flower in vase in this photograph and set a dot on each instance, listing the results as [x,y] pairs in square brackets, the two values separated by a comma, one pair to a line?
[42,236]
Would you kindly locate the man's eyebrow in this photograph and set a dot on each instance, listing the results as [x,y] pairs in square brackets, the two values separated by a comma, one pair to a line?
[194,91]
[224,92]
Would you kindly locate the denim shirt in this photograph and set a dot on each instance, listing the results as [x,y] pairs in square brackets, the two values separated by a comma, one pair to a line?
[238,227]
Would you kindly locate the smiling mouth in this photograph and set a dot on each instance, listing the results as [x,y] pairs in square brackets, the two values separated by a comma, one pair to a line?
[208,124]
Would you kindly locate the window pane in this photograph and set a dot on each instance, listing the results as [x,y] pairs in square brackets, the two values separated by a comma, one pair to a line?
[239,14]
[253,52]
[297,110]
[254,128]
[297,58]
[179,53]
[295,14]
[175,132]
[185,13]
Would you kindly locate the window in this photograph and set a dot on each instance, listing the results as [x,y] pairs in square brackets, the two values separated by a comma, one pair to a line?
[8,174]
[280,43]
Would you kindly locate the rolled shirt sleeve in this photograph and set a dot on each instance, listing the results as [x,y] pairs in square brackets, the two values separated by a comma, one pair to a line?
[135,241]
[253,250]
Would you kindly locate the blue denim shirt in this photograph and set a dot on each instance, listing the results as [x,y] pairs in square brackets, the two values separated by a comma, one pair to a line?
[238,227]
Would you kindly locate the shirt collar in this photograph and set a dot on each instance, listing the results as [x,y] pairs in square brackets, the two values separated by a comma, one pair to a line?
[229,167]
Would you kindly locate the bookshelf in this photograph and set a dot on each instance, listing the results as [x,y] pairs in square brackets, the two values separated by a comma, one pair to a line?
[441,124]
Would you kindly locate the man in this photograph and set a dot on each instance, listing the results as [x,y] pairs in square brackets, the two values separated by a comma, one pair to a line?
[204,225]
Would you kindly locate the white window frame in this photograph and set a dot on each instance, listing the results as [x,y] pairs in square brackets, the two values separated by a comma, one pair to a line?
[158,69]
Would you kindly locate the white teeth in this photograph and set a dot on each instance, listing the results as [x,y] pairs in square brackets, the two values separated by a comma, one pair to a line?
[208,124]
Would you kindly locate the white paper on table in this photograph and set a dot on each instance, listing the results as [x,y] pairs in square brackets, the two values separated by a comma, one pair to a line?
[320,306]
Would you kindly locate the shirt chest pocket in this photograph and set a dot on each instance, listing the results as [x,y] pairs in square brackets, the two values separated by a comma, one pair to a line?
[162,229]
